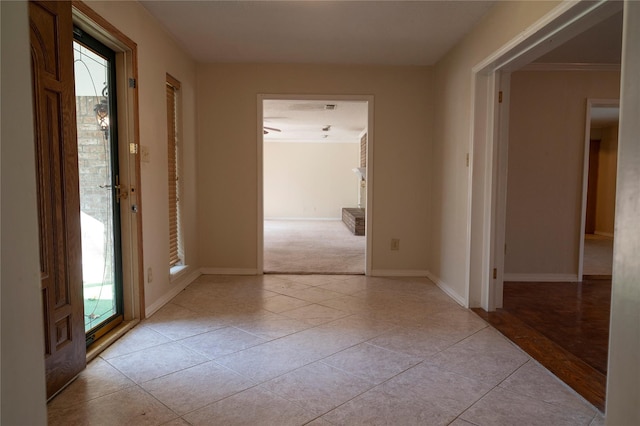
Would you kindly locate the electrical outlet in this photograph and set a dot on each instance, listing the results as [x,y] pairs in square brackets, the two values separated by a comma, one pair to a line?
[395,244]
[149,275]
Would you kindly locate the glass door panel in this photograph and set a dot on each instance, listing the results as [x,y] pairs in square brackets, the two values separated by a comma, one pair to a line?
[99,189]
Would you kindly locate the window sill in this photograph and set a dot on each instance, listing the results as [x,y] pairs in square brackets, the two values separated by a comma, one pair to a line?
[177,271]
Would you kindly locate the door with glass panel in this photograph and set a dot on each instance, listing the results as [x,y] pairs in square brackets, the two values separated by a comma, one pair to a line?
[100,190]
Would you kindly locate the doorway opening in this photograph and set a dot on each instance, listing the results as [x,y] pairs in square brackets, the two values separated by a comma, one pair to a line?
[599,189]
[315,186]
[121,193]
[534,323]
[99,179]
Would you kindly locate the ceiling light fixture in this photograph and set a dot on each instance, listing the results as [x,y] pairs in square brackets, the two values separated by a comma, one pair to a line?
[330,107]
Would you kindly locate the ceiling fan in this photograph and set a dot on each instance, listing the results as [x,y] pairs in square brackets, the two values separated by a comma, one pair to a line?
[266,130]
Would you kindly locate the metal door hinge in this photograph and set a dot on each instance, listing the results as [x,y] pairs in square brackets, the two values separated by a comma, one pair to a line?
[132,83]
[495,273]
[500,97]
[467,159]
[133,148]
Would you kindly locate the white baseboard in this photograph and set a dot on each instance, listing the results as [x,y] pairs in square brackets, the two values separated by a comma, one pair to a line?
[447,289]
[541,277]
[229,271]
[398,273]
[178,283]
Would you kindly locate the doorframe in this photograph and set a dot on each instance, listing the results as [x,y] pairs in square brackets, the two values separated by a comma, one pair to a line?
[129,136]
[585,172]
[369,178]
[487,199]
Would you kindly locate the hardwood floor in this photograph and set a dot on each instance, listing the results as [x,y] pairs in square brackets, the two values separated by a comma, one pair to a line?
[564,326]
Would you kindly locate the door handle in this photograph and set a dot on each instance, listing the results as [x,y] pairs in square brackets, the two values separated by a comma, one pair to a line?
[122,192]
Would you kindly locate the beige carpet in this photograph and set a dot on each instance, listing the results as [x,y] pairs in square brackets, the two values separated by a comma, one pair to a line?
[321,246]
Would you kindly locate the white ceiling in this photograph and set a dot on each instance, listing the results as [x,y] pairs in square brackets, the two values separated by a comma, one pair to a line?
[345,32]
[303,121]
[600,44]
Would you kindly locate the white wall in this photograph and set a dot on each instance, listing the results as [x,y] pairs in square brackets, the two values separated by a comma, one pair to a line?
[545,170]
[23,385]
[227,156]
[606,188]
[309,180]
[623,373]
[159,54]
[451,141]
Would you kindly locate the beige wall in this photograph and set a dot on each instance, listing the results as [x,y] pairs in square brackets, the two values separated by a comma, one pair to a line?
[158,54]
[309,180]
[227,155]
[606,191]
[545,170]
[451,141]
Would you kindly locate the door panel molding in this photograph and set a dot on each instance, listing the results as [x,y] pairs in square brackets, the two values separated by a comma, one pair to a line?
[57,191]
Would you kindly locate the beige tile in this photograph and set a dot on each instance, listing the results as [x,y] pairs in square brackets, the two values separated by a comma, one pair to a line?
[359,327]
[460,422]
[195,387]
[205,301]
[273,328]
[177,322]
[486,356]
[256,292]
[449,391]
[223,341]
[412,341]
[598,420]
[282,303]
[315,314]
[252,407]
[283,286]
[266,361]
[346,286]
[351,304]
[98,379]
[210,278]
[441,331]
[317,387]
[316,343]
[150,363]
[378,408]
[176,422]
[311,280]
[138,338]
[319,422]
[131,406]
[537,382]
[313,295]
[327,339]
[371,363]
[500,407]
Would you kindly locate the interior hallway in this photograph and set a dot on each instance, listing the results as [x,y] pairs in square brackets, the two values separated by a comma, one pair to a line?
[312,246]
[321,350]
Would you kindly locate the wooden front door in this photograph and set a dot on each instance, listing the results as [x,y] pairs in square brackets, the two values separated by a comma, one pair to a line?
[58,195]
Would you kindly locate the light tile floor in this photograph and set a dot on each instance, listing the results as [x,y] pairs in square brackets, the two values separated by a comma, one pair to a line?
[318,350]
